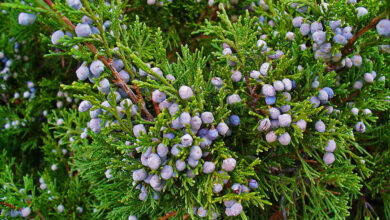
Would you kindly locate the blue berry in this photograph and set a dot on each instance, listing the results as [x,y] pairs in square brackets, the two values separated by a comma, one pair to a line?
[155,181]
[82,72]
[60,208]
[319,37]
[253,184]
[284,139]
[290,36]
[262,44]
[284,120]
[138,130]
[320,126]
[328,158]
[285,108]
[83,30]
[176,148]
[195,152]
[196,123]
[274,113]
[329,91]
[268,90]
[355,111]
[208,167]
[340,39]
[207,117]
[331,146]
[158,96]
[119,65]
[229,164]
[233,99]
[202,212]
[383,27]
[185,118]
[235,210]
[86,20]
[270,100]
[297,21]
[180,165]
[361,11]
[104,86]
[278,85]
[305,29]
[56,36]
[357,60]
[166,172]
[255,74]
[287,84]
[154,161]
[222,128]
[315,101]
[236,76]
[132,217]
[315,27]
[301,124]
[323,95]
[369,77]
[96,68]
[334,24]
[139,175]
[76,4]
[203,132]
[293,84]
[271,137]
[264,125]
[173,109]
[186,140]
[162,150]
[217,188]
[235,120]
[25,212]
[185,92]
[360,127]
[264,68]
[85,106]
[26,18]
[192,162]
[94,124]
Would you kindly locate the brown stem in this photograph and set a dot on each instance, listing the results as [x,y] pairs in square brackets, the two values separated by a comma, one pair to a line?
[14,207]
[254,97]
[110,65]
[170,215]
[214,14]
[334,192]
[65,19]
[9,205]
[348,47]
[155,105]
[3,97]
[350,97]
[39,213]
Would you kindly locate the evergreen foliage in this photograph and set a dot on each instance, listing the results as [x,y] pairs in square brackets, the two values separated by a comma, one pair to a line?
[194,109]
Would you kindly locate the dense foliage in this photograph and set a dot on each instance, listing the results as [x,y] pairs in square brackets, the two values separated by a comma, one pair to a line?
[194,109]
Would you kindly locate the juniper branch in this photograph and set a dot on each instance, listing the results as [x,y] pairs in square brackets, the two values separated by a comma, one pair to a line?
[110,65]
[347,49]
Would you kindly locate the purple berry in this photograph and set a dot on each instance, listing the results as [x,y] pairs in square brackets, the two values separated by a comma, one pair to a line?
[208,167]
[253,184]
[229,164]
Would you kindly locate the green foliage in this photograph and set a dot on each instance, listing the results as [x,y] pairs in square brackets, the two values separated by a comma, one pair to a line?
[54,155]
